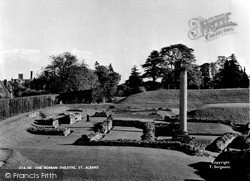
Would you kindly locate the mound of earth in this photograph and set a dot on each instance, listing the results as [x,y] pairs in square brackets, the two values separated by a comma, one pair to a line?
[235,112]
[196,98]
[11,159]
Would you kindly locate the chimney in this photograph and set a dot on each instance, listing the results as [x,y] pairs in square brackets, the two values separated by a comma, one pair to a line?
[5,83]
[31,75]
[20,76]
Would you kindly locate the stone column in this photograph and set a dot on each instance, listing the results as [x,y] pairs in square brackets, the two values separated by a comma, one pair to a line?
[183,102]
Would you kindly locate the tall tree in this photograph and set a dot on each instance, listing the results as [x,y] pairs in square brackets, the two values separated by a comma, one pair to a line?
[194,77]
[134,82]
[175,57]
[108,81]
[64,73]
[81,78]
[206,77]
[231,75]
[153,66]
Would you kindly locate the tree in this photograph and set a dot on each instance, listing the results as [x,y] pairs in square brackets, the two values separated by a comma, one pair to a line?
[153,66]
[134,82]
[194,77]
[206,78]
[231,75]
[176,57]
[81,78]
[64,74]
[108,81]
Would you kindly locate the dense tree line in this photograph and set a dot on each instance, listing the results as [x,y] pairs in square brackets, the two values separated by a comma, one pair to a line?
[65,73]
[162,70]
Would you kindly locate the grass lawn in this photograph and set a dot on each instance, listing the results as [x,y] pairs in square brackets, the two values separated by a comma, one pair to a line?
[196,98]
[117,163]
[120,132]
[213,128]
[236,112]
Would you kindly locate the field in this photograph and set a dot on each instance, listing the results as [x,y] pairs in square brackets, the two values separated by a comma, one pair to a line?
[120,162]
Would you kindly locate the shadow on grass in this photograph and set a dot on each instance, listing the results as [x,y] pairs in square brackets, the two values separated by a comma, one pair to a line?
[203,170]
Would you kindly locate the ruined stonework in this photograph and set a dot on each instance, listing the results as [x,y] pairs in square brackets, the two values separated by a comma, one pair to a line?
[70,118]
[149,131]
[221,142]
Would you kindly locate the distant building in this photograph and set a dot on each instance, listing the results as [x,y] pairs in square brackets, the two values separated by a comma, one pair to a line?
[21,80]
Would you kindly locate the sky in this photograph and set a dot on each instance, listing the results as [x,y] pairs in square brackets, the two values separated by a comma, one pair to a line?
[120,32]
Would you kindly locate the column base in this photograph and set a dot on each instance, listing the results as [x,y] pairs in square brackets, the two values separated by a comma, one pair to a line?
[182,136]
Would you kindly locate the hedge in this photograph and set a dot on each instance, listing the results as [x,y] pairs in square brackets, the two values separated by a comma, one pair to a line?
[13,107]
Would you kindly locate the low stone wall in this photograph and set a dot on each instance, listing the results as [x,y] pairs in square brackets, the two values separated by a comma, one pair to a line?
[70,118]
[166,129]
[129,123]
[188,148]
[34,115]
[47,121]
[49,130]
[101,129]
[221,142]
[176,119]
[100,114]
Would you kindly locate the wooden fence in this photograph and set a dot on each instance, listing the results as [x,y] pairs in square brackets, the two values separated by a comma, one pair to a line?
[13,107]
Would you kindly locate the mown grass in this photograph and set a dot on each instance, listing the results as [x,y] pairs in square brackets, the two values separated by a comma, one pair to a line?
[235,112]
[196,98]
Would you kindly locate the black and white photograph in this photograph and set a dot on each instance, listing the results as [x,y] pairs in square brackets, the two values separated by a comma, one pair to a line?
[124,90]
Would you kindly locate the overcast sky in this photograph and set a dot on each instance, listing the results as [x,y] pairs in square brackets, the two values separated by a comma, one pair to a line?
[121,32]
